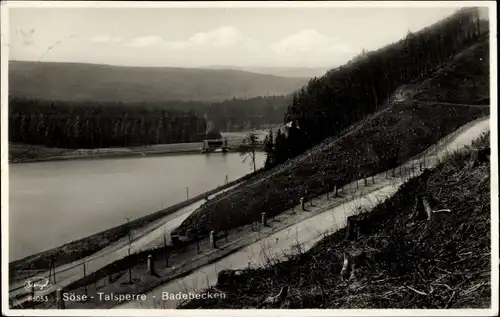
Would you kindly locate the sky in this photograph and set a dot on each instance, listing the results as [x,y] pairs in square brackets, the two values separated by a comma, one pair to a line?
[201,37]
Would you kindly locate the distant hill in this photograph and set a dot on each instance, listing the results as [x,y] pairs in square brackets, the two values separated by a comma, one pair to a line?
[298,72]
[89,82]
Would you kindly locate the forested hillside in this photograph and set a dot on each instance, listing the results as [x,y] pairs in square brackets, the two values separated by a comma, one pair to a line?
[347,94]
[113,124]
[90,82]
[55,124]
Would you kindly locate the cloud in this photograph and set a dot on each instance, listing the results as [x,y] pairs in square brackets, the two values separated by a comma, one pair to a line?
[146,41]
[105,39]
[222,37]
[310,40]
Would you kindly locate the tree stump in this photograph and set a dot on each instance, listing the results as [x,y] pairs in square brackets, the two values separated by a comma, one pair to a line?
[277,300]
[354,259]
[356,226]
[421,210]
[224,277]
[481,156]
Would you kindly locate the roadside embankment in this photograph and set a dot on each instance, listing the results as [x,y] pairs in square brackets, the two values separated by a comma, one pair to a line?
[426,247]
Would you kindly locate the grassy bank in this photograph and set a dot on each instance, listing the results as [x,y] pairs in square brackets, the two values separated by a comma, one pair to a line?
[81,248]
[410,262]
[400,130]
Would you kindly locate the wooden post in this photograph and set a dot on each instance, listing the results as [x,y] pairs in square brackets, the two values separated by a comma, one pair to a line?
[33,301]
[129,269]
[336,190]
[129,247]
[302,204]
[85,276]
[165,251]
[373,179]
[150,268]
[263,219]
[54,271]
[59,299]
[386,174]
[212,239]
[357,184]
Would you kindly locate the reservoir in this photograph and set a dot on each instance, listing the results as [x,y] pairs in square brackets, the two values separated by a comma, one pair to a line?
[53,203]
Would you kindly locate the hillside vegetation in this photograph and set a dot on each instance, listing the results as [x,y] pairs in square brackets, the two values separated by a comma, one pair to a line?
[398,131]
[411,262]
[90,82]
[347,94]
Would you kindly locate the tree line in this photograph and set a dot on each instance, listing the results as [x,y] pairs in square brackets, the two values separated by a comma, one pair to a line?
[231,115]
[344,95]
[79,124]
[65,125]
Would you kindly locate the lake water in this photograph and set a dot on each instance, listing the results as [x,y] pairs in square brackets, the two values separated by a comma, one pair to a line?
[53,203]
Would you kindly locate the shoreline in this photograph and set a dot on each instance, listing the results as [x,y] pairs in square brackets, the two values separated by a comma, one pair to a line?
[78,249]
[111,153]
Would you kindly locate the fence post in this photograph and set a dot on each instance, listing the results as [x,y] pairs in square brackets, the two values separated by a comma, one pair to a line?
[336,190]
[373,179]
[85,276]
[151,268]
[165,251]
[212,239]
[59,299]
[264,220]
[33,295]
[302,203]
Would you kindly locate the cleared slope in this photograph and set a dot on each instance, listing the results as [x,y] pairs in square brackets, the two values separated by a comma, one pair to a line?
[402,129]
[441,263]
[91,82]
